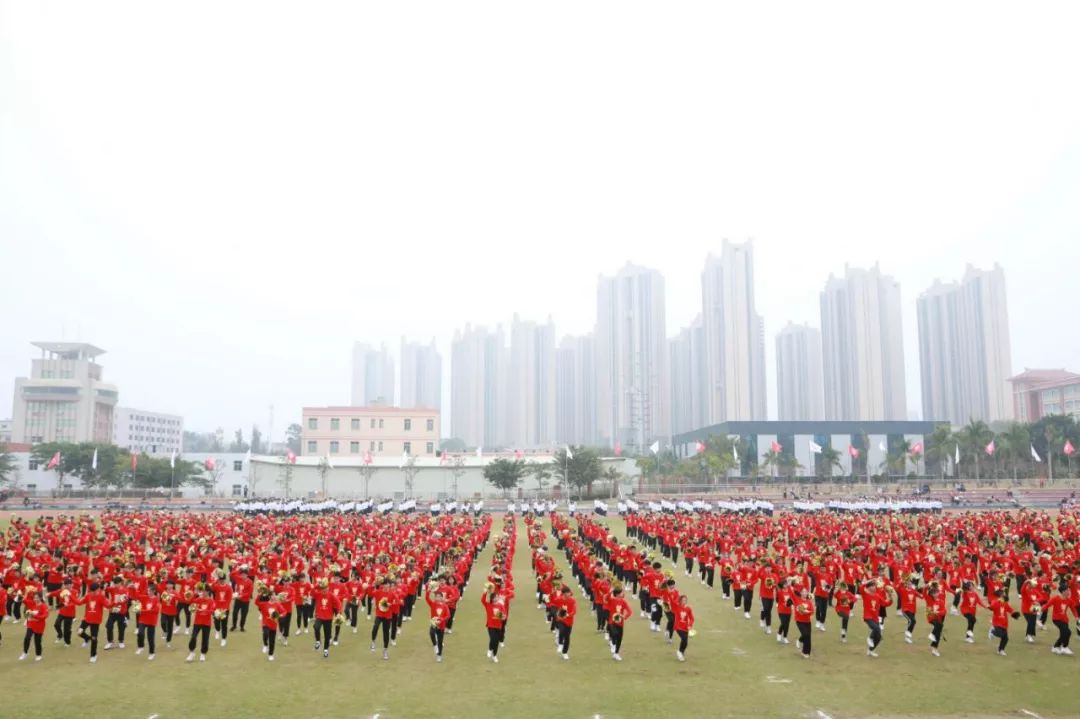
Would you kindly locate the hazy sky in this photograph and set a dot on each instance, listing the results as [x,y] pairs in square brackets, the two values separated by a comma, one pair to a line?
[226,195]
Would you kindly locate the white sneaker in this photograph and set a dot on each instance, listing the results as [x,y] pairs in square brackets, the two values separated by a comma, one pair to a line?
[37,659]
[786,641]
[768,630]
[566,657]
[336,643]
[438,657]
[779,639]
[190,657]
[617,657]
[138,651]
[354,630]
[935,652]
[21,657]
[150,658]
[108,646]
[1029,639]
[271,657]
[871,653]
[495,659]
[187,631]
[1055,650]
[266,649]
[393,642]
[224,642]
[202,657]
[746,615]
[121,645]
[217,635]
[680,656]
[1001,653]
[761,623]
[907,639]
[1067,651]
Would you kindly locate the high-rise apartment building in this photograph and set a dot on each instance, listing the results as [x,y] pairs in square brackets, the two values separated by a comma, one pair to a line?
[531,386]
[800,383]
[734,337]
[478,387]
[575,381]
[964,351]
[633,386]
[64,399]
[372,376]
[421,375]
[688,370]
[863,347]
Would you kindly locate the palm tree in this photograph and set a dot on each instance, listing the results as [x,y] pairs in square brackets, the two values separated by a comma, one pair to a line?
[7,465]
[1017,440]
[939,446]
[827,460]
[612,475]
[541,473]
[974,438]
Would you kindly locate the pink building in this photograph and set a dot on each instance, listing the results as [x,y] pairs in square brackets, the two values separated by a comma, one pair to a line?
[382,431]
[1040,392]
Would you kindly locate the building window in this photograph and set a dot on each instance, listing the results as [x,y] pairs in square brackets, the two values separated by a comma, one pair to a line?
[408,424]
[237,489]
[333,446]
[312,423]
[31,488]
[33,465]
[238,465]
[371,446]
[354,448]
[431,425]
[380,446]
[335,424]
[430,447]
[372,423]
[380,423]
[312,446]
[408,448]
[355,424]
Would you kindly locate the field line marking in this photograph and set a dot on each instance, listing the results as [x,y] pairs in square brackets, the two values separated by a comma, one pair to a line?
[152,716]
[823,715]
[1031,714]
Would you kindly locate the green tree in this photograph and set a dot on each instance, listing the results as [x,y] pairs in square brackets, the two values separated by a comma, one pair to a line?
[582,468]
[719,457]
[1017,445]
[367,472]
[7,465]
[612,475]
[940,446]
[896,458]
[828,459]
[324,471]
[256,440]
[541,472]
[452,444]
[973,440]
[285,475]
[238,443]
[505,474]
[292,437]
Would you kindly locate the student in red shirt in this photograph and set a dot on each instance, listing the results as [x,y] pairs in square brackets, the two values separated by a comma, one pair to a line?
[203,609]
[935,614]
[784,599]
[94,601]
[243,586]
[969,601]
[169,601]
[223,599]
[684,623]
[874,600]
[269,615]
[845,600]
[146,619]
[1001,611]
[65,598]
[803,610]
[495,611]
[327,605]
[618,611]
[384,615]
[1058,607]
[907,595]
[440,615]
[119,596]
[37,612]
[565,621]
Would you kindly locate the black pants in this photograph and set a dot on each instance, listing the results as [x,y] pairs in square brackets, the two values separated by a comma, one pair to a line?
[450,621]
[62,625]
[804,636]
[766,610]
[436,636]
[669,626]
[239,611]
[200,629]
[284,623]
[31,634]
[168,623]
[303,617]
[738,598]
[684,641]
[970,623]
[385,623]
[910,621]
[938,628]
[117,620]
[689,559]
[92,637]
[322,629]
[875,633]
[148,631]
[1063,634]
[269,637]
[725,585]
[785,625]
[564,636]
[821,608]
[221,626]
[601,618]
[1003,634]
[844,619]
[493,640]
[615,633]
[185,609]
[747,599]
[352,613]
[645,601]
[1030,629]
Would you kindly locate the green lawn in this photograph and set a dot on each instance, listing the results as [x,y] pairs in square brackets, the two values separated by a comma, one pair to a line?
[732,669]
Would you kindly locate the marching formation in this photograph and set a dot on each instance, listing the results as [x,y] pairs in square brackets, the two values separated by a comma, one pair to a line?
[195,574]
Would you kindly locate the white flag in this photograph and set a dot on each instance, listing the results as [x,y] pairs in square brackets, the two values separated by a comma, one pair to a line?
[957,460]
[882,446]
[247,457]
[93,462]
[404,459]
[479,451]
[172,460]
[329,462]
[1035,455]
[815,448]
[735,452]
[569,454]
[655,447]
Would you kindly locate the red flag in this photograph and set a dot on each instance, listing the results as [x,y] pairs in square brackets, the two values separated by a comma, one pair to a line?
[290,457]
[1068,449]
[989,449]
[776,447]
[210,464]
[518,454]
[700,447]
[134,462]
[442,458]
[853,451]
[54,462]
[367,457]
[618,449]
[917,448]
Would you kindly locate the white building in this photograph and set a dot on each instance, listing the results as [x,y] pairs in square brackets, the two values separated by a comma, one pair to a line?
[734,338]
[478,387]
[372,376]
[64,399]
[633,395]
[146,432]
[800,383]
[576,391]
[964,349]
[531,387]
[689,398]
[5,430]
[863,347]
[421,375]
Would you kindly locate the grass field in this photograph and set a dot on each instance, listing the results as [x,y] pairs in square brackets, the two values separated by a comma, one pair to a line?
[732,669]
